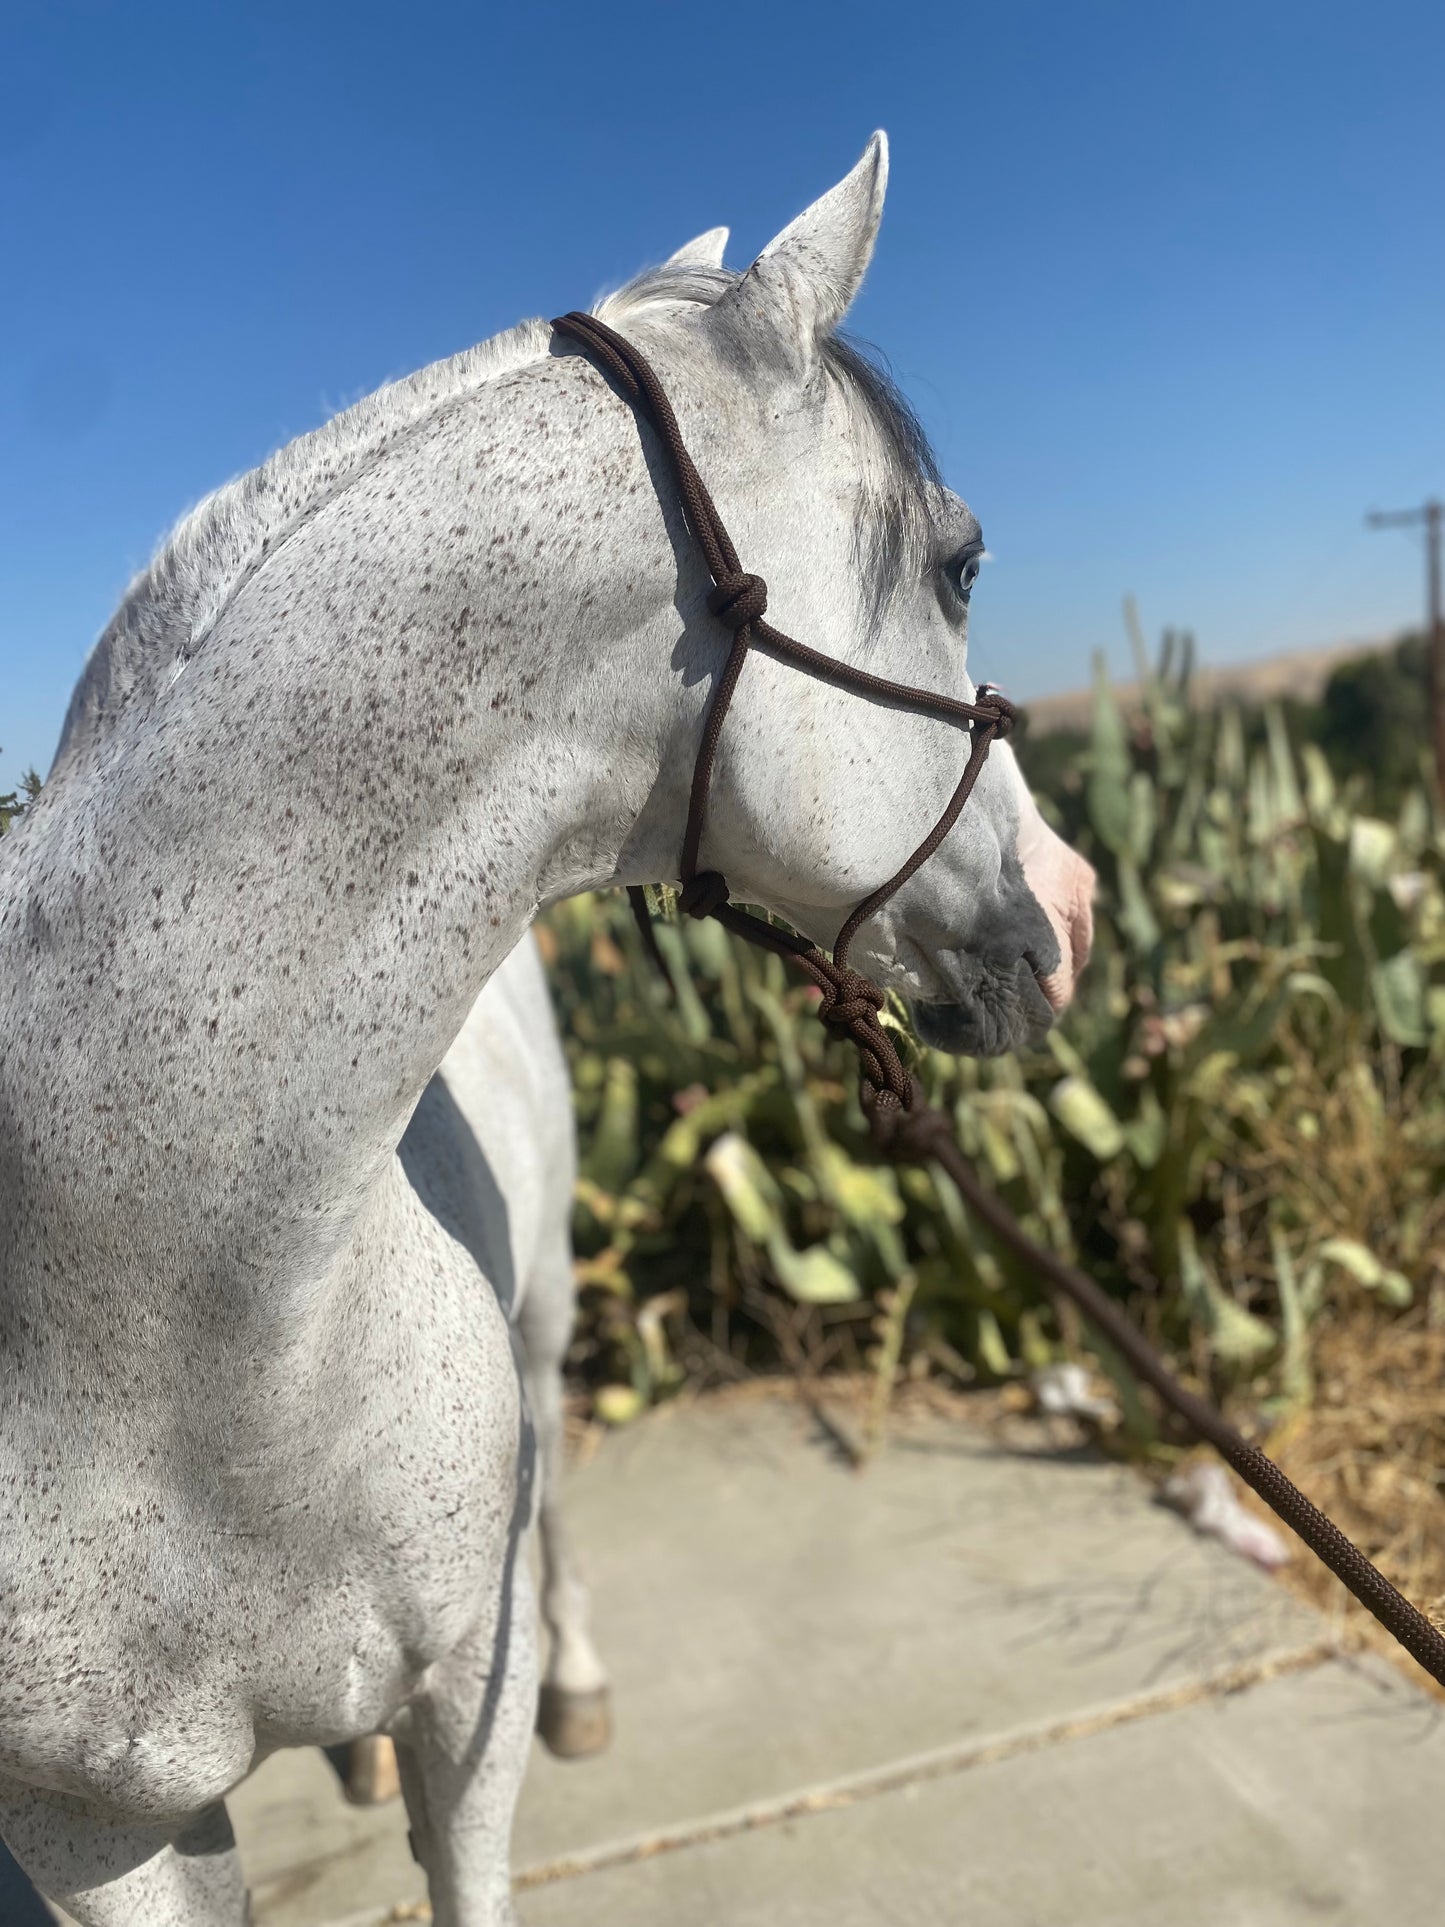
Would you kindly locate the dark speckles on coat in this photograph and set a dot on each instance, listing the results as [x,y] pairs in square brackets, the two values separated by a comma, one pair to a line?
[262,1447]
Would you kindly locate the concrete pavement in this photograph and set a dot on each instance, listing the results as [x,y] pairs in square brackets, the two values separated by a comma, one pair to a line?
[979,1682]
[968,1684]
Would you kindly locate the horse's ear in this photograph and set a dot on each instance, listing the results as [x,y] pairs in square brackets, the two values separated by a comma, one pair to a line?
[803,282]
[706,251]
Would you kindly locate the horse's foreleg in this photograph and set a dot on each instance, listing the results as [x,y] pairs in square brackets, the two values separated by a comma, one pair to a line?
[129,1876]
[462,1746]
[574,1712]
[371,1772]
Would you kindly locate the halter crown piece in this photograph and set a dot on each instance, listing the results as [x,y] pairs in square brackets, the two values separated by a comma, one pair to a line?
[904,1126]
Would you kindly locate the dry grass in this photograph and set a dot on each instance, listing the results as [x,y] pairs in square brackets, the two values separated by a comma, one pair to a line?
[1368,1442]
[1370,1451]
[1356,1149]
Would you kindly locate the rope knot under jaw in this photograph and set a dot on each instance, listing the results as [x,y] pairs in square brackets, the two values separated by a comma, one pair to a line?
[850,1009]
[848,1000]
[704,894]
[738,600]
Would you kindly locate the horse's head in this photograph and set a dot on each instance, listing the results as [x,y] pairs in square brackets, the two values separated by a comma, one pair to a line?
[829,491]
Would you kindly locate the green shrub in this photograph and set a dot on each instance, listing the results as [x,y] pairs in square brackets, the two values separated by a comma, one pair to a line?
[1241,1119]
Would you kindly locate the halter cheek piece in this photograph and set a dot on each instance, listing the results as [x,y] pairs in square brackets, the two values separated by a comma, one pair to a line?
[904,1126]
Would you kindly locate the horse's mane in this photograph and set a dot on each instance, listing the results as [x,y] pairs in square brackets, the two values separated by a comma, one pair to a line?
[170,607]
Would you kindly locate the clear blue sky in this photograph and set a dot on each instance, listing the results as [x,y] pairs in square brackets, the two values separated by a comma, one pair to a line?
[1167,283]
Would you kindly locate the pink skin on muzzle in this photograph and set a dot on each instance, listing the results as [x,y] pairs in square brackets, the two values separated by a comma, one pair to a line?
[1064,885]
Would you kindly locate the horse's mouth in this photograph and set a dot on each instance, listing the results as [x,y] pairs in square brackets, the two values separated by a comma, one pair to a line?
[1001,1010]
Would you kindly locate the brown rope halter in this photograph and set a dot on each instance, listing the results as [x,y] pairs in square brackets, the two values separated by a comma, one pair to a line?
[904,1126]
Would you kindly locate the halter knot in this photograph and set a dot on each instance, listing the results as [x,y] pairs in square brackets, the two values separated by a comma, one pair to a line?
[850,999]
[738,600]
[990,696]
[703,894]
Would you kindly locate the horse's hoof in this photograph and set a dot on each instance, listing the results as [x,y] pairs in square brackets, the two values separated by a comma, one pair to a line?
[372,1778]
[574,1725]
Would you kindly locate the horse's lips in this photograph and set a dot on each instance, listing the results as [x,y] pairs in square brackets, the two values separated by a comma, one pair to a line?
[990,1026]
[1057,987]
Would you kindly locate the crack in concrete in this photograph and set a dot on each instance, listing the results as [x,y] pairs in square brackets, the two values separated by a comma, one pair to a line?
[937,1764]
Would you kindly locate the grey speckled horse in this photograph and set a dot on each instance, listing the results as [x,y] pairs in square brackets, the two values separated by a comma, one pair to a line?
[265,1459]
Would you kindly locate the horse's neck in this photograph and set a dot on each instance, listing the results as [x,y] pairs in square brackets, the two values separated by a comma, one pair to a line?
[246,951]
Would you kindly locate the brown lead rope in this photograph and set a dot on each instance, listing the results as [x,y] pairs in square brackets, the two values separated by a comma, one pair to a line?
[904,1126]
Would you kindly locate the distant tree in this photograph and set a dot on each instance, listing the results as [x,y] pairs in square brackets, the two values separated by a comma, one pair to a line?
[1371,720]
[1374,716]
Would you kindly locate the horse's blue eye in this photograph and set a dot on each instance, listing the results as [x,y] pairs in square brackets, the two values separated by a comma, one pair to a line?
[963,570]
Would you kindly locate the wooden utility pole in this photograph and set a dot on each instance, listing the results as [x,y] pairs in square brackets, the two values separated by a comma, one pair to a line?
[1430,516]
